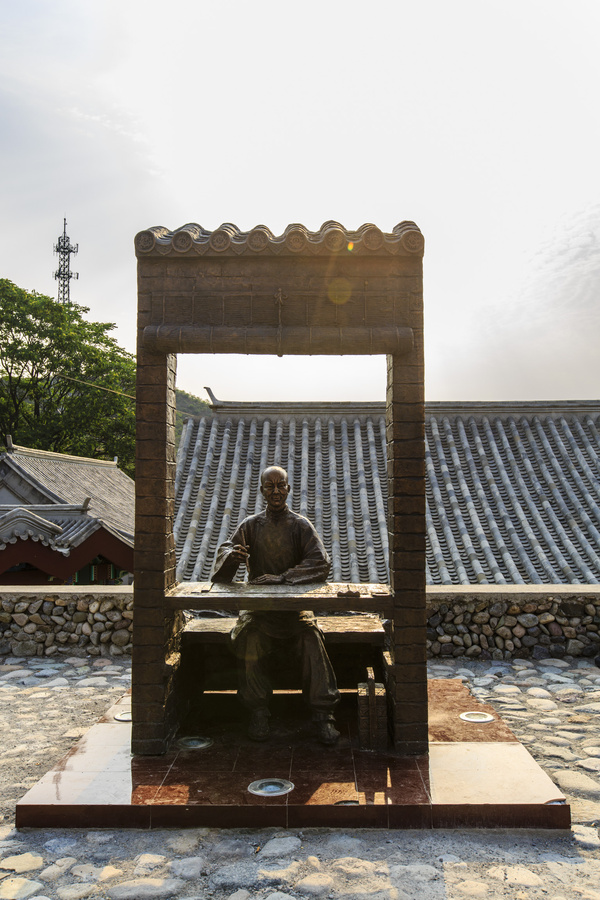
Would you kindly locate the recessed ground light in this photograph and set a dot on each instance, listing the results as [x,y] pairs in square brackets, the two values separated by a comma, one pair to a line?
[123,717]
[476,717]
[270,787]
[346,803]
[194,743]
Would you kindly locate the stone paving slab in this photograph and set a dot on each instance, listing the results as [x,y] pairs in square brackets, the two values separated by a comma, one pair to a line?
[41,719]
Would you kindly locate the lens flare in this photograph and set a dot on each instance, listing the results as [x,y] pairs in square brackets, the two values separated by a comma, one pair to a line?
[350,245]
[339,291]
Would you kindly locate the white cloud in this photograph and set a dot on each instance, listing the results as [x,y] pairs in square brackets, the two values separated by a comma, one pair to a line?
[540,339]
[471,118]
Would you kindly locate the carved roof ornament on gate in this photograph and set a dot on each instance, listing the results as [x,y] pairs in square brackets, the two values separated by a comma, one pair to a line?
[193,239]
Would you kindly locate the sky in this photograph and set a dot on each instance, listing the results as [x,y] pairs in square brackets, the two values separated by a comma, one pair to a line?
[476,119]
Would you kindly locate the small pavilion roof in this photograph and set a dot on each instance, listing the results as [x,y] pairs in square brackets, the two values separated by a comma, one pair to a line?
[85,489]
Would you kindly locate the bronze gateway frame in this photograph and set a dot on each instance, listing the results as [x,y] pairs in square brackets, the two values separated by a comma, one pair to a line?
[326,292]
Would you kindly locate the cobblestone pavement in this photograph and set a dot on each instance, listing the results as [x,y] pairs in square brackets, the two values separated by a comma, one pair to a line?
[552,705]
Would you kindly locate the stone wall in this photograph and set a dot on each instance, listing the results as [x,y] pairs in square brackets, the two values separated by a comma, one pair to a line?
[78,621]
[536,621]
[479,622]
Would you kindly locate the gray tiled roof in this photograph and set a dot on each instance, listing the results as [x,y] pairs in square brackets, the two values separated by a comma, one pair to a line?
[513,489]
[58,478]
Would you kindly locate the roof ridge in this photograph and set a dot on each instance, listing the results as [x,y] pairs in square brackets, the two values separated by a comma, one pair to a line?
[47,507]
[369,407]
[50,454]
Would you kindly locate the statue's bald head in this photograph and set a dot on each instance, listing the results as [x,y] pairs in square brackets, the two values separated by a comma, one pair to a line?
[274,487]
[273,472]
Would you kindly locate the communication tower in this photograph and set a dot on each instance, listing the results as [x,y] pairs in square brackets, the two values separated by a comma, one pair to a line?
[63,274]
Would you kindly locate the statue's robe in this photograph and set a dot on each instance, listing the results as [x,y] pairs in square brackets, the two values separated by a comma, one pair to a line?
[284,544]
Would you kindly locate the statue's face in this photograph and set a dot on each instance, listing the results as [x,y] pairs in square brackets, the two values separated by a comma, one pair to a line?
[275,488]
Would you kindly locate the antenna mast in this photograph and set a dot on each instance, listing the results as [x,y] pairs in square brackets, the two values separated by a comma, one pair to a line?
[63,274]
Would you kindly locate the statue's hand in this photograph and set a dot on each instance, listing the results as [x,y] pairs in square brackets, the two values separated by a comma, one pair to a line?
[268,579]
[240,553]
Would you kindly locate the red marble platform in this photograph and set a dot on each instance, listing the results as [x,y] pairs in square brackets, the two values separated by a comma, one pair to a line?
[476,775]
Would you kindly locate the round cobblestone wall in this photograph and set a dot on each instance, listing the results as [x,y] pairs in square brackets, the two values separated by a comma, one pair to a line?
[94,622]
[528,625]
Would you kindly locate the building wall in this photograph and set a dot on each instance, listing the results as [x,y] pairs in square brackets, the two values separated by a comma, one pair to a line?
[476,622]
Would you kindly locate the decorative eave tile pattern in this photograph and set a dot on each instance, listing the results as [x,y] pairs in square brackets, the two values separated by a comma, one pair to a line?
[17,522]
[62,527]
[228,240]
[513,490]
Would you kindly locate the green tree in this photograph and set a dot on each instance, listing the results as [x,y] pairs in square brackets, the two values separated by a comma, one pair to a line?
[47,350]
[188,405]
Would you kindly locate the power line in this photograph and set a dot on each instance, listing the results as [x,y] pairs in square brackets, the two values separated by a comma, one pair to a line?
[97,386]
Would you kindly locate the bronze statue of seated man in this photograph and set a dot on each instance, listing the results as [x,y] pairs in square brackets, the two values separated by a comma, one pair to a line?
[279,547]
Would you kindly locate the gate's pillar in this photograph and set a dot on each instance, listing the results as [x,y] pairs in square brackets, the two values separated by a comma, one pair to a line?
[406,516]
[154,630]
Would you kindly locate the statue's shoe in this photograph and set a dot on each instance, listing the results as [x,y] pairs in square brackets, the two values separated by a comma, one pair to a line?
[327,733]
[258,729]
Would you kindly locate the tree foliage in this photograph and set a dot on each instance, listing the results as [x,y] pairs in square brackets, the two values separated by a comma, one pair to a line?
[43,346]
[188,405]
